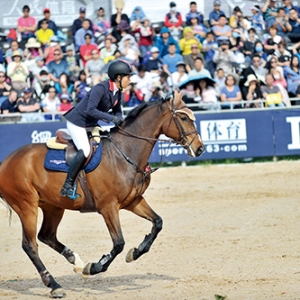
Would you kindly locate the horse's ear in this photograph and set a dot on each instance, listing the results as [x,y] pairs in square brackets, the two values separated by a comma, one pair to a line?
[177,98]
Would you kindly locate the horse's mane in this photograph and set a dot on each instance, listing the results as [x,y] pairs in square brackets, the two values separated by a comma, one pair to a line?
[133,114]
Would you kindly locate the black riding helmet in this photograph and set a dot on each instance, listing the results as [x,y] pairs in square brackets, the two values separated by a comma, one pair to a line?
[119,67]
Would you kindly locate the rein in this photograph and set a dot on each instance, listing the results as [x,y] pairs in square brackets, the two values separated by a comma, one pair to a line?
[183,141]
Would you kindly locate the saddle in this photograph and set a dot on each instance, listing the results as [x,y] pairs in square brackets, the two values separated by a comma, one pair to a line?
[63,141]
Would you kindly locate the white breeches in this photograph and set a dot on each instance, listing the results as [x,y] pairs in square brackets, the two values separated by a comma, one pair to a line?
[79,137]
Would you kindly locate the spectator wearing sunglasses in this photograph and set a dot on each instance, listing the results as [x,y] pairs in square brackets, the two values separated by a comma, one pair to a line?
[26,24]
[58,66]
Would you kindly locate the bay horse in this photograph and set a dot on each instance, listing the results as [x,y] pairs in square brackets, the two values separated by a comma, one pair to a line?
[117,183]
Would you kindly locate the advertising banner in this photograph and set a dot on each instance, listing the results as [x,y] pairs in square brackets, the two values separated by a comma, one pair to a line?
[256,133]
[227,135]
[287,131]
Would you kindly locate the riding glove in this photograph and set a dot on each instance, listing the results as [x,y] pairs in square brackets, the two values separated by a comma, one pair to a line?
[117,120]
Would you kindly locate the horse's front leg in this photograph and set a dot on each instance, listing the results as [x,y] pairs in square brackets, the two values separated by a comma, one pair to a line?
[141,208]
[111,217]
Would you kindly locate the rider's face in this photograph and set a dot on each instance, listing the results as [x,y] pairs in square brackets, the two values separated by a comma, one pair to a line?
[125,81]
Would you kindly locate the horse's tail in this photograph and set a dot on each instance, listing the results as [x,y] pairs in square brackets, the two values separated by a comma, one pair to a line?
[3,201]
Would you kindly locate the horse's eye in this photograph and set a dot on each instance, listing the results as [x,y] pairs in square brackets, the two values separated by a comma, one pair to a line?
[184,119]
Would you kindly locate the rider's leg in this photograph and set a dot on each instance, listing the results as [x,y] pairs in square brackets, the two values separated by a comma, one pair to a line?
[81,142]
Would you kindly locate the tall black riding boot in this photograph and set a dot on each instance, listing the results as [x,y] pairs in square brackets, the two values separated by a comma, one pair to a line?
[77,163]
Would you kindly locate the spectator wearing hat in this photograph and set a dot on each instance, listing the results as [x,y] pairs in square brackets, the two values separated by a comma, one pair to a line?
[17,71]
[51,104]
[171,59]
[94,66]
[51,24]
[198,69]
[66,104]
[224,58]
[137,16]
[37,68]
[116,18]
[81,34]
[27,103]
[180,75]
[215,14]
[26,24]
[10,103]
[129,49]
[192,12]
[293,25]
[173,21]
[257,21]
[44,34]
[77,24]
[58,66]
[145,31]
[14,45]
[162,42]
[120,30]
[72,63]
[221,30]
[251,91]
[87,48]
[154,63]
[101,22]
[269,12]
[188,40]
[189,59]
[49,50]
[32,49]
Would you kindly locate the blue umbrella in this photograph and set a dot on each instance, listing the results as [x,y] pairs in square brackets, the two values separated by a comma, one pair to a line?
[195,80]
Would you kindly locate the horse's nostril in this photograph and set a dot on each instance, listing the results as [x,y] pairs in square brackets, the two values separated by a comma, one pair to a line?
[200,150]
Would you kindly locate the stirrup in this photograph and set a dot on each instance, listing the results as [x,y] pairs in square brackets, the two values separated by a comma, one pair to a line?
[70,192]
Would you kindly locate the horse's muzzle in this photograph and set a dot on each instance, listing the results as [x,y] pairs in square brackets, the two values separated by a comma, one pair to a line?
[200,150]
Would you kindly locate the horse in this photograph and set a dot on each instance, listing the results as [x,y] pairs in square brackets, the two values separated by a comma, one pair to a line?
[118,182]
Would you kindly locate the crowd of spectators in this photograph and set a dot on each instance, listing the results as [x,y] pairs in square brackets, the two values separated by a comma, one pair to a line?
[250,55]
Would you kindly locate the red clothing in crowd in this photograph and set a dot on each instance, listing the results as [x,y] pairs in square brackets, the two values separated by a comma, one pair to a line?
[177,24]
[86,50]
[145,38]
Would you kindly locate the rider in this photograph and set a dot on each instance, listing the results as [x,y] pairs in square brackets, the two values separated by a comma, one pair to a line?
[93,107]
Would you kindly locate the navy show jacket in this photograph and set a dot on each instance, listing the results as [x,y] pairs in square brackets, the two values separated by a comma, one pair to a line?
[95,105]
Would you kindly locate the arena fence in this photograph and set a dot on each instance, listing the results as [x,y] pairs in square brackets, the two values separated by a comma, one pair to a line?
[233,133]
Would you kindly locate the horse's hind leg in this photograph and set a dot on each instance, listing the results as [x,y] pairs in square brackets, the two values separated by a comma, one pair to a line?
[48,231]
[28,216]
[141,208]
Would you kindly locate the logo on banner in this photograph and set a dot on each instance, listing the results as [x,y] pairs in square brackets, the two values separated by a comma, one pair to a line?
[40,137]
[224,135]
[295,132]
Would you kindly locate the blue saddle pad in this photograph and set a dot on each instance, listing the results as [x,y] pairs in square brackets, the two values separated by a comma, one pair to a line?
[55,160]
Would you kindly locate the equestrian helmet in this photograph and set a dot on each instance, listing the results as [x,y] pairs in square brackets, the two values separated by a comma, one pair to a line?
[119,67]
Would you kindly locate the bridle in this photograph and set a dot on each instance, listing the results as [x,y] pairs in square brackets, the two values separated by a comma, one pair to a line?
[183,140]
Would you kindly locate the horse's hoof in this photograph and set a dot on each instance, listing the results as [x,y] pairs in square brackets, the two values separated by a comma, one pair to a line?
[87,269]
[78,264]
[78,270]
[58,293]
[129,256]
